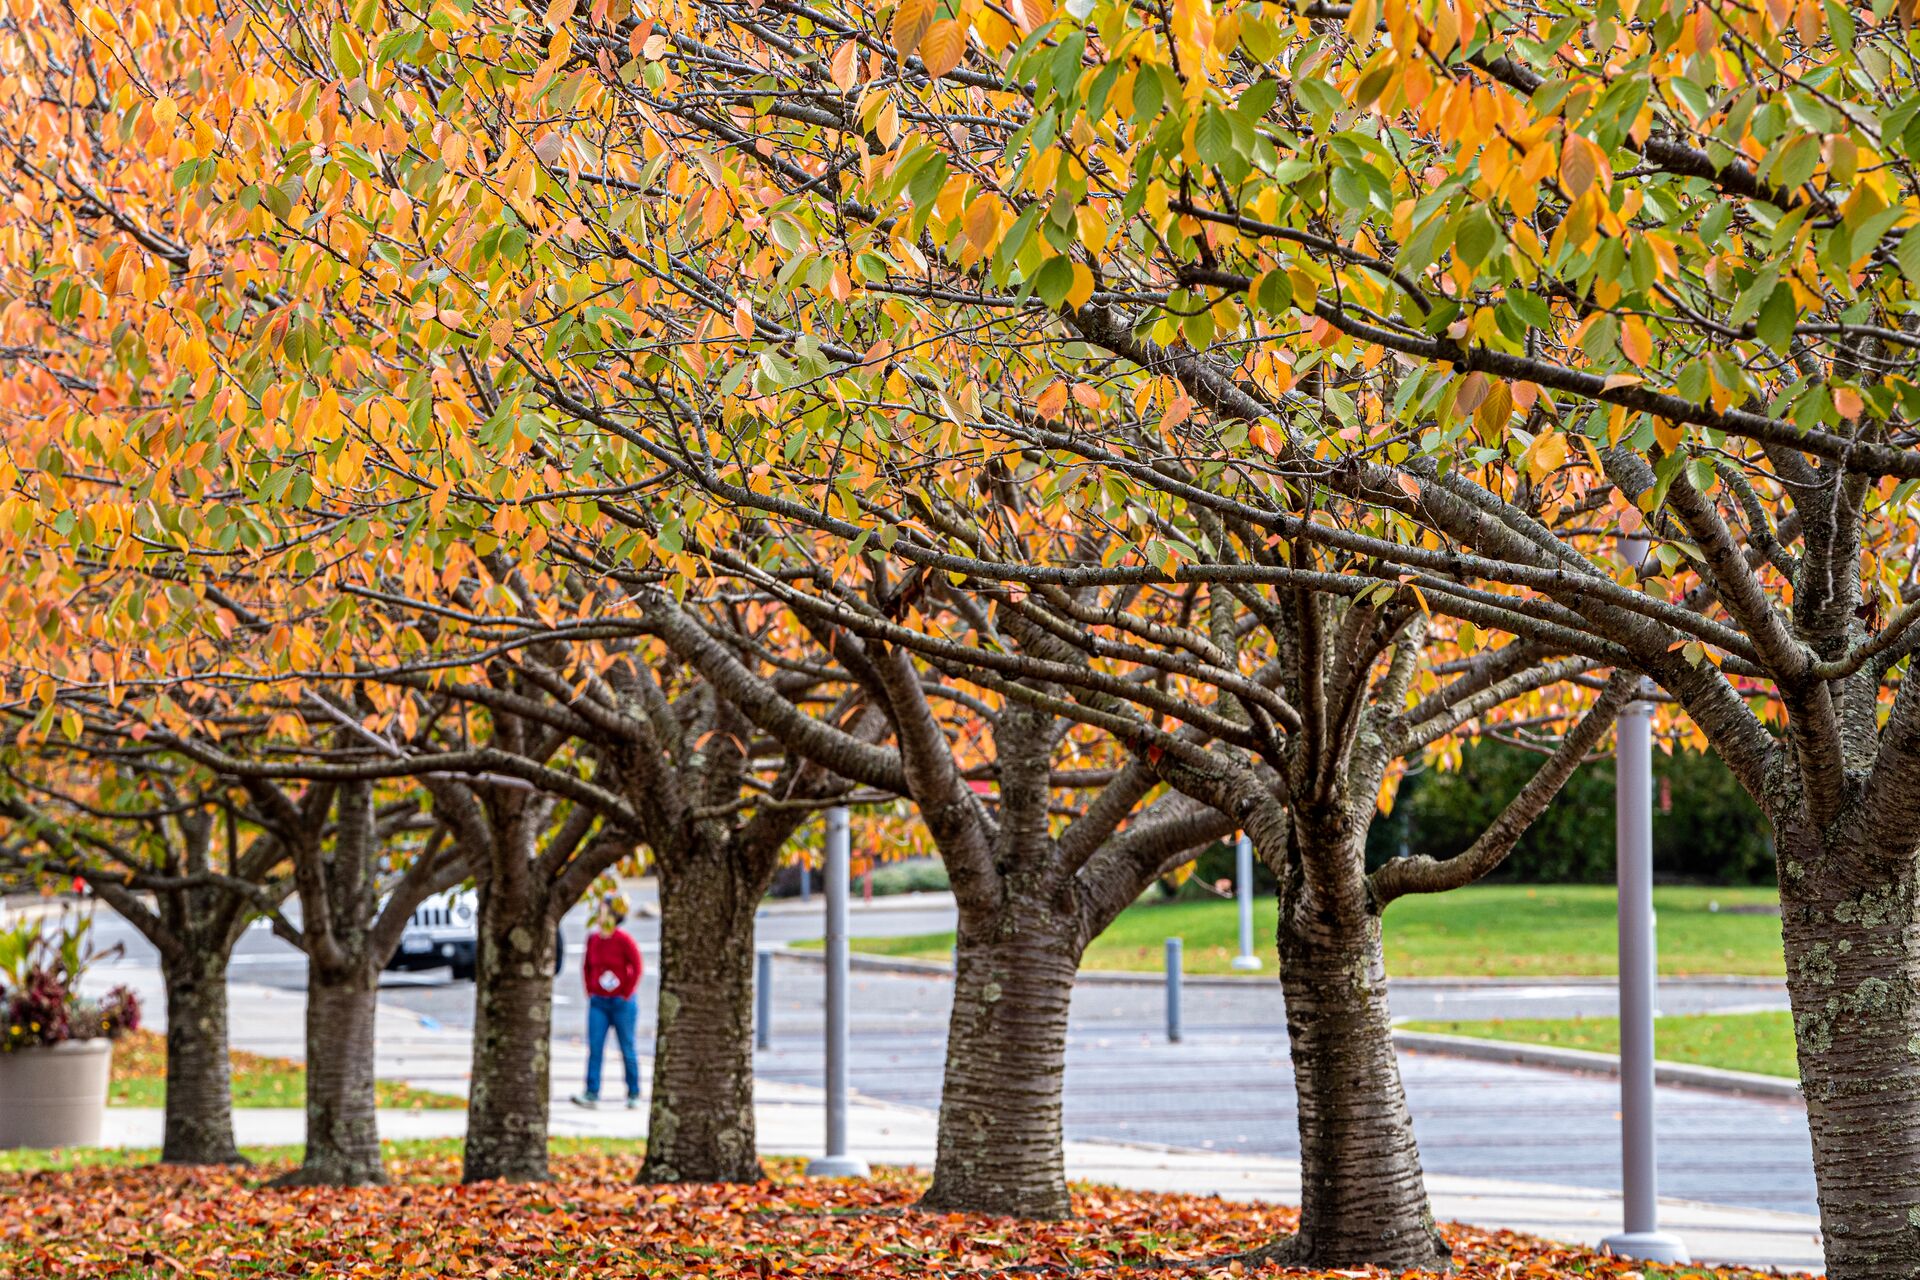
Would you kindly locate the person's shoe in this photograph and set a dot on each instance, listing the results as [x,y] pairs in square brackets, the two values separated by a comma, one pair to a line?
[587,1100]
[633,1103]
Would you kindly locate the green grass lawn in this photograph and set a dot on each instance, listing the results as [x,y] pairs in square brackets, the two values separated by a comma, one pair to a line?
[1760,1042]
[140,1080]
[1496,930]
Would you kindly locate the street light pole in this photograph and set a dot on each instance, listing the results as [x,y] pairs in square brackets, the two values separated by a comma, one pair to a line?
[1633,816]
[836,1163]
[1246,961]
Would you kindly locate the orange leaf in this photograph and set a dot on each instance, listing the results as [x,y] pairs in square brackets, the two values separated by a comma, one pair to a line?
[1635,342]
[982,222]
[1032,14]
[1578,165]
[844,67]
[941,47]
[910,22]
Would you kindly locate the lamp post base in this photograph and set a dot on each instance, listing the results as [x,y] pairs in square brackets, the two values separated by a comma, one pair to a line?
[1246,964]
[1647,1246]
[838,1167]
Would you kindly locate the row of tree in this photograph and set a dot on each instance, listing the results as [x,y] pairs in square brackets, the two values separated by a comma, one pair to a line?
[1106,427]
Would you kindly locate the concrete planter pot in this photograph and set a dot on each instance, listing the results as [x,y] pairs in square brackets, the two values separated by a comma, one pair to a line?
[55,1095]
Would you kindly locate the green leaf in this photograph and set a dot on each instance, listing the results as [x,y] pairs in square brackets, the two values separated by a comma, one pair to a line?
[1532,308]
[1908,255]
[1775,322]
[1213,137]
[1148,97]
[1273,292]
[1054,280]
[1476,236]
[343,54]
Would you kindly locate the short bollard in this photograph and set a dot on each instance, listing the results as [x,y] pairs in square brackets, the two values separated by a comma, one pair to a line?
[1246,961]
[763,1000]
[1174,946]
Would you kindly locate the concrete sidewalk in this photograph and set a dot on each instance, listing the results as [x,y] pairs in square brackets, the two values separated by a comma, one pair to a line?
[791,1118]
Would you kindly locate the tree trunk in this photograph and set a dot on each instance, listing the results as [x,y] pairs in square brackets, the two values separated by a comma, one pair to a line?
[343,1140]
[700,1126]
[512,1033]
[1000,1139]
[1363,1197]
[1853,958]
[199,1107]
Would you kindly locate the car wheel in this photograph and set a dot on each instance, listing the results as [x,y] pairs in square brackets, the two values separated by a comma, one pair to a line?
[463,968]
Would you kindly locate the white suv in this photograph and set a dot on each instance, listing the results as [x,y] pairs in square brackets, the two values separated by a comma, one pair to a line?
[444,930]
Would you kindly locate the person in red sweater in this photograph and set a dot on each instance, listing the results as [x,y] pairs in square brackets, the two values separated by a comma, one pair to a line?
[612,972]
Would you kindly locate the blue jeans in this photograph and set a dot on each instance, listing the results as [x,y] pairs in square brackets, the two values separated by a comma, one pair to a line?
[620,1013]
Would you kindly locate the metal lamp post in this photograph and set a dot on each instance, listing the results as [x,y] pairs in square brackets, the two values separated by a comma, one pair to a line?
[1246,961]
[836,1163]
[1633,801]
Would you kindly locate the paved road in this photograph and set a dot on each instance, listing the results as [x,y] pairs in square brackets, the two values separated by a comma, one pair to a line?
[263,958]
[1228,1087]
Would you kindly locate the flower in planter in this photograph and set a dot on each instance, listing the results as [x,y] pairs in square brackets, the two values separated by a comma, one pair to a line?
[40,1000]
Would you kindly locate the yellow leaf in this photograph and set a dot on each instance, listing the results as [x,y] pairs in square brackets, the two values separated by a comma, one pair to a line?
[1546,454]
[1389,789]
[910,22]
[1494,411]
[1082,288]
[501,331]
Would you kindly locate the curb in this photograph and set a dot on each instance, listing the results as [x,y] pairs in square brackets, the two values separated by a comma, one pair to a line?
[1687,1075]
[39,908]
[931,901]
[1146,978]
[935,969]
[1548,980]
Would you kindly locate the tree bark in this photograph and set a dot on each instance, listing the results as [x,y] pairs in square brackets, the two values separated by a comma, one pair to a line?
[700,1126]
[513,1029]
[1853,958]
[199,1106]
[1000,1136]
[1363,1198]
[343,1140]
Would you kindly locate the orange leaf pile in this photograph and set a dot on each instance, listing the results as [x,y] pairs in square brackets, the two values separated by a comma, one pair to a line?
[594,1220]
